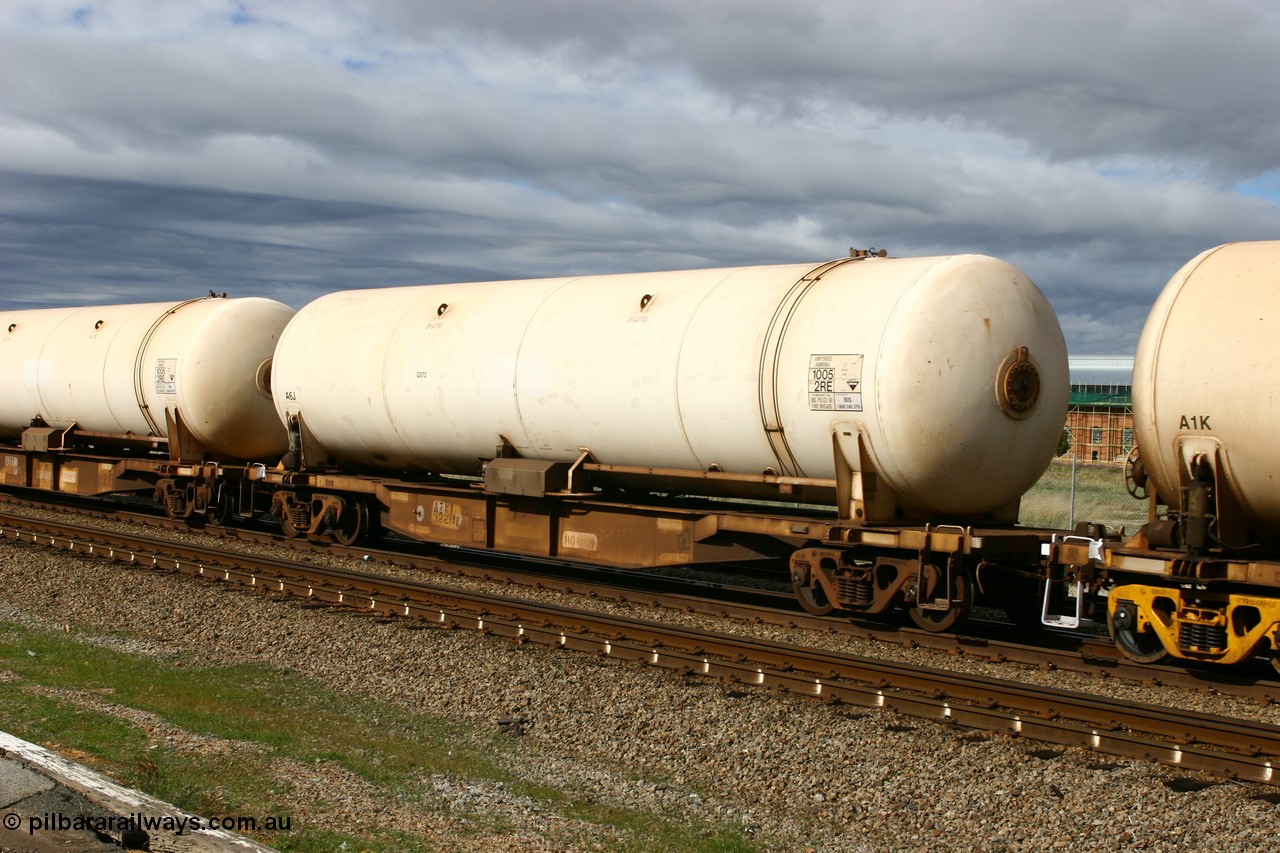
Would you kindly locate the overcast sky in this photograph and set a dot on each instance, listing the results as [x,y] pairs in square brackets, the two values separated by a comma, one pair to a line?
[156,151]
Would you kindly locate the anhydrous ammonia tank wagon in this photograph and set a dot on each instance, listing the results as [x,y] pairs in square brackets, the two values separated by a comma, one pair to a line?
[942,381]
[136,369]
[1205,404]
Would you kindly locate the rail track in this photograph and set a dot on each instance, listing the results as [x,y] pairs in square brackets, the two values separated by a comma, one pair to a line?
[982,639]
[1232,748]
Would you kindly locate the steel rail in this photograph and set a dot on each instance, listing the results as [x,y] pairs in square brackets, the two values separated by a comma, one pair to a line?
[1238,749]
[1066,652]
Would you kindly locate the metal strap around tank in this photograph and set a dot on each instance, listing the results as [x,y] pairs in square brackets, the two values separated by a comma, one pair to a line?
[770,411]
[156,429]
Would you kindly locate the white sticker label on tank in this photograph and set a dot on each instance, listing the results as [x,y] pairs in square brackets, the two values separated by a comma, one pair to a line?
[835,383]
[166,376]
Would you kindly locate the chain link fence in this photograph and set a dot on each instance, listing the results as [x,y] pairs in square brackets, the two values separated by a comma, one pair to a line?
[1070,492]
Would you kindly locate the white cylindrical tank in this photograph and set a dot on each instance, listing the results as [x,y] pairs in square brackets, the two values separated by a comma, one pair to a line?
[1204,377]
[117,368]
[740,370]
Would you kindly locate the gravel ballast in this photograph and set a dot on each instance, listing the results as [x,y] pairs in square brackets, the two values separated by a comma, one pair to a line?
[786,773]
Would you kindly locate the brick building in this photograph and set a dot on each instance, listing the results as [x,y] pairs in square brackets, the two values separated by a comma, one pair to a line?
[1100,413]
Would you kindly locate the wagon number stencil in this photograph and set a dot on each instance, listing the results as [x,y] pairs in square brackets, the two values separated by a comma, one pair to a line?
[445,514]
[835,383]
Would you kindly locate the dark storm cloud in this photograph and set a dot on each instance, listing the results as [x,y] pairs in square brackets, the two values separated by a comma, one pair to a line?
[154,152]
[1178,79]
[106,242]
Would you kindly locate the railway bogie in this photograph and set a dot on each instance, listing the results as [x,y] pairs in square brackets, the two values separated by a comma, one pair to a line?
[1211,608]
[932,574]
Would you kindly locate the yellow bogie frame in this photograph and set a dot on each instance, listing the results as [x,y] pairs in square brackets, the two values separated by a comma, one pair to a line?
[1149,622]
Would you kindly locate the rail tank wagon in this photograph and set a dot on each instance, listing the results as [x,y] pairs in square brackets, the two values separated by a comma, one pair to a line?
[203,364]
[939,383]
[1203,404]
[1204,422]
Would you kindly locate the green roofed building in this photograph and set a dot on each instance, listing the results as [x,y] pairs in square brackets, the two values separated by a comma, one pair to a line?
[1100,412]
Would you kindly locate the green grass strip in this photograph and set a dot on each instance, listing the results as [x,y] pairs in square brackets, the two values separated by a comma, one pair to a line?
[278,714]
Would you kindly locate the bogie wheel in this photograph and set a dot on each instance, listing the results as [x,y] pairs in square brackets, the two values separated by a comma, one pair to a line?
[1137,646]
[961,595]
[352,523]
[222,509]
[813,598]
